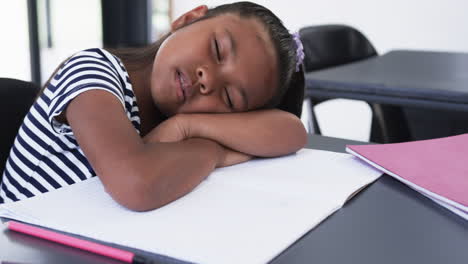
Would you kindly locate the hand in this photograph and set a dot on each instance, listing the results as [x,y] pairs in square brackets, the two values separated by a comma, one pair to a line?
[232,157]
[178,128]
[174,129]
[254,132]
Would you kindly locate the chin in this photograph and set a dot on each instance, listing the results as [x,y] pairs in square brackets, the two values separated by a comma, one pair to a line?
[169,113]
[164,111]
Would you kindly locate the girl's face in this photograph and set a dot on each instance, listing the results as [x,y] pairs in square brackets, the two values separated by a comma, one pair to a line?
[221,64]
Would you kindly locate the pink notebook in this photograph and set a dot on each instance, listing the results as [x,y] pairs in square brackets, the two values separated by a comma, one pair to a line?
[438,168]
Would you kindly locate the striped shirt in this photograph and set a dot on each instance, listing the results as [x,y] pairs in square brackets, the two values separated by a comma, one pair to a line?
[45,155]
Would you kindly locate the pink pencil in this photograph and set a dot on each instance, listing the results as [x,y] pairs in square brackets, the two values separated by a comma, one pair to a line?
[96,248]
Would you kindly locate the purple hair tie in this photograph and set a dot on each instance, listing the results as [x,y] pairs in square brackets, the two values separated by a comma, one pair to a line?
[299,50]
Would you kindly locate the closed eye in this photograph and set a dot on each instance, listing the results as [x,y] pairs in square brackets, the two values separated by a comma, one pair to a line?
[231,106]
[218,54]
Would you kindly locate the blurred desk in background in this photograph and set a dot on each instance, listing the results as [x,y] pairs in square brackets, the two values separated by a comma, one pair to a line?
[430,88]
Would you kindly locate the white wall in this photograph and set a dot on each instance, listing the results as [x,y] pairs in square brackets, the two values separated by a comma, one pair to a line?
[14,40]
[76,25]
[389,24]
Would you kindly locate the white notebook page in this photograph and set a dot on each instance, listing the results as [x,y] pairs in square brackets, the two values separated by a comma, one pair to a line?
[247,213]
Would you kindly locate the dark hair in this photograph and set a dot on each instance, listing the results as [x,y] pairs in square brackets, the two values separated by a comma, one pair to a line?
[290,93]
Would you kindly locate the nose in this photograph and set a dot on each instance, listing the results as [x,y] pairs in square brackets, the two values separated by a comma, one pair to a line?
[206,80]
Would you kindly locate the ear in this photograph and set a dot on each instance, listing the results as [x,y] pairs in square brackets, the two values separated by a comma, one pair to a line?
[188,17]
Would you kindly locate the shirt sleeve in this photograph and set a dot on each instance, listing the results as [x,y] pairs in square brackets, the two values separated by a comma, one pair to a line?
[86,70]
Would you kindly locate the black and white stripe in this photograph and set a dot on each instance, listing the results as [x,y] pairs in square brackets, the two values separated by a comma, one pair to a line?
[45,155]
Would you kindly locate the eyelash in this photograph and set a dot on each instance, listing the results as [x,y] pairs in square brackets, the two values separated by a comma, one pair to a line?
[218,55]
[229,99]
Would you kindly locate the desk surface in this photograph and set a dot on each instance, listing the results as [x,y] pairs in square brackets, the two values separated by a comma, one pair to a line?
[436,80]
[385,223]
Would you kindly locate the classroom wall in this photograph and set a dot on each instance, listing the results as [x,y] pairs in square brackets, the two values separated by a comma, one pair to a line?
[389,24]
[14,40]
[75,25]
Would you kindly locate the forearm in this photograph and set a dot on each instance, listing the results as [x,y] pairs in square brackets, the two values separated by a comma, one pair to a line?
[166,171]
[263,133]
[137,174]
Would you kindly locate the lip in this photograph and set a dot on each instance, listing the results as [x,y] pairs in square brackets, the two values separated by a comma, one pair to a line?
[179,87]
[184,84]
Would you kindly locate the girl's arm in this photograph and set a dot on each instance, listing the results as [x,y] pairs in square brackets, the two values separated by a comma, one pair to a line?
[140,176]
[265,133]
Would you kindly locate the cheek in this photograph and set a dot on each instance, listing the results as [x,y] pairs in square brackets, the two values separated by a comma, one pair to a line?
[160,90]
[158,80]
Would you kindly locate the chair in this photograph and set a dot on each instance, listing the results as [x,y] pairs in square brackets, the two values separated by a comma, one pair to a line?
[16,98]
[327,46]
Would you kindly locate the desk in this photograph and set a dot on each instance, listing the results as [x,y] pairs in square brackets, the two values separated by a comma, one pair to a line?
[436,80]
[385,223]
[425,83]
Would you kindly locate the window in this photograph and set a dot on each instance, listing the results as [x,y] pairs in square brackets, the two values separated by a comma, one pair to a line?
[161,18]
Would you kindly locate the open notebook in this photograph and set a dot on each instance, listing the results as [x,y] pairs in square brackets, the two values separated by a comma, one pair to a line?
[437,168]
[247,213]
